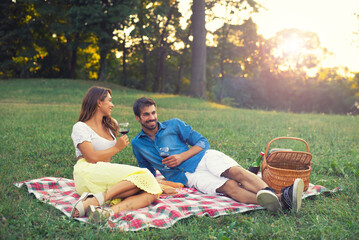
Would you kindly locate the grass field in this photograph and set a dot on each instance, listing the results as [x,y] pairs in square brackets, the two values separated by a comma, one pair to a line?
[36,119]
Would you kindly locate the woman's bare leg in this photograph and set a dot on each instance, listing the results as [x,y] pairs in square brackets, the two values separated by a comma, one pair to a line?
[120,190]
[134,202]
[128,193]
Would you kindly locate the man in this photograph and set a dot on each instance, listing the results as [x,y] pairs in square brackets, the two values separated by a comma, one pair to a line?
[209,171]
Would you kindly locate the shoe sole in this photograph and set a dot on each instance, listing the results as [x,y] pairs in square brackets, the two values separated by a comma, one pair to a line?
[95,216]
[298,188]
[79,205]
[268,200]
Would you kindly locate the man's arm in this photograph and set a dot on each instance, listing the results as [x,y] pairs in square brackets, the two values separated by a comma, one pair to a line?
[177,159]
[189,137]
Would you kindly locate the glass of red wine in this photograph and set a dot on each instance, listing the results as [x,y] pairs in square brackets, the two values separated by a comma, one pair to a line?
[124,127]
[165,152]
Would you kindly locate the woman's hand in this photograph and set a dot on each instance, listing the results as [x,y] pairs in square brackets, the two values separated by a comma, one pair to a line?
[122,142]
[93,156]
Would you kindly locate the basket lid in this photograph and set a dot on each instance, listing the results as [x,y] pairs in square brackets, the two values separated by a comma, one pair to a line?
[287,155]
[302,158]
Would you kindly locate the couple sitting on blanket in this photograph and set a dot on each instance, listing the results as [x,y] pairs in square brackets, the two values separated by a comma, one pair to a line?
[209,171]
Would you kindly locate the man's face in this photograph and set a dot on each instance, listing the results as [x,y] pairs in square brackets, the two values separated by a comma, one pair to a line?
[148,117]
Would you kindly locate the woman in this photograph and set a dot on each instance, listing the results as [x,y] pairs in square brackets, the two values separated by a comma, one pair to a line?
[96,179]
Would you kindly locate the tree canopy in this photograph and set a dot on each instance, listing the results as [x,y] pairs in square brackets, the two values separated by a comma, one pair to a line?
[154,46]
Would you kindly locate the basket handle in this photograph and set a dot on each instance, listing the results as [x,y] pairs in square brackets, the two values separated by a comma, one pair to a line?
[292,138]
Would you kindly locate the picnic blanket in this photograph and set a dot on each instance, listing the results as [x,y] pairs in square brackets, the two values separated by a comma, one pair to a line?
[163,213]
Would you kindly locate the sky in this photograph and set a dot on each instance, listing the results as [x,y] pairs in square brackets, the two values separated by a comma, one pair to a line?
[334,21]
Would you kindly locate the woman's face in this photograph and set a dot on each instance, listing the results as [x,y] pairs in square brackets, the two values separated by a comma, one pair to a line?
[106,105]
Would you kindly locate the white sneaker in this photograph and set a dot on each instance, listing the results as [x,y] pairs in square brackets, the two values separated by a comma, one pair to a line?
[268,200]
[291,197]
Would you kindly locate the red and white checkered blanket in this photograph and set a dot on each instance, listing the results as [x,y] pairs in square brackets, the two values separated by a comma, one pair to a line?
[163,213]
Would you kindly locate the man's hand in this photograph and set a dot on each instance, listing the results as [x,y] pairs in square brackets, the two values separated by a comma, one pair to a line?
[173,160]
[176,159]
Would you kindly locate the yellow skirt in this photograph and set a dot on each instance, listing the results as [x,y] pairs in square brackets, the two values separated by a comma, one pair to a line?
[99,177]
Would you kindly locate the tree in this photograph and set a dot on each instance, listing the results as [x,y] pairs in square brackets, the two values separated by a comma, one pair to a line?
[141,32]
[170,10]
[15,39]
[62,37]
[29,39]
[102,18]
[236,49]
[231,36]
[153,36]
[198,80]
[184,36]
[75,32]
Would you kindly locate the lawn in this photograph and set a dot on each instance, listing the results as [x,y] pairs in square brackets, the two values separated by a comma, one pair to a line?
[36,119]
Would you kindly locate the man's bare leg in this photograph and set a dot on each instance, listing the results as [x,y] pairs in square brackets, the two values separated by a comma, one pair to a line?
[236,192]
[248,180]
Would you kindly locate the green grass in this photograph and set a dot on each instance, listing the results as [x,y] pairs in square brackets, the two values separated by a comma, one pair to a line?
[36,119]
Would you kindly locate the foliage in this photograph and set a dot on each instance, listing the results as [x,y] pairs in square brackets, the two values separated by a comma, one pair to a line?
[102,18]
[17,39]
[143,44]
[37,116]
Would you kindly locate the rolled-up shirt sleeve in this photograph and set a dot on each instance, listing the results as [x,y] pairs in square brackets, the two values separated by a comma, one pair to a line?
[190,136]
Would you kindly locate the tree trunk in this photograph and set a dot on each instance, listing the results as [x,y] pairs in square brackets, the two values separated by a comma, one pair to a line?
[180,72]
[198,81]
[72,67]
[124,65]
[160,79]
[163,69]
[221,78]
[73,59]
[225,32]
[144,66]
[156,83]
[144,81]
[181,65]
[103,65]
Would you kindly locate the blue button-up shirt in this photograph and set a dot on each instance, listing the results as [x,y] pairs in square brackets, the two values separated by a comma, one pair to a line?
[176,135]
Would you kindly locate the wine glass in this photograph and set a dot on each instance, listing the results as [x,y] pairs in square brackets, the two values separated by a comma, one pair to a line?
[165,152]
[124,127]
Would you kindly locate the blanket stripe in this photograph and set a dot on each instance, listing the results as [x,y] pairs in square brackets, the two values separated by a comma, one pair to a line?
[163,213]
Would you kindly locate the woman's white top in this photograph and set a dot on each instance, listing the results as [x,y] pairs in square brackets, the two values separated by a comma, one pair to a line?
[81,132]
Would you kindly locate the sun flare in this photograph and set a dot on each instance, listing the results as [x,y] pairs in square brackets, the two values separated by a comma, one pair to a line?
[292,45]
[334,22]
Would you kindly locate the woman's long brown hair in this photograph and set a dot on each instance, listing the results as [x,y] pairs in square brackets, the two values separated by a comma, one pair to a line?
[89,106]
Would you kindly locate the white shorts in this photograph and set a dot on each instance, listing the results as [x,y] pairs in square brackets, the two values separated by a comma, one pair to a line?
[207,176]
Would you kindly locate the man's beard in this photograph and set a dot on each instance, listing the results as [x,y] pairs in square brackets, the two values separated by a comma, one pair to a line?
[148,127]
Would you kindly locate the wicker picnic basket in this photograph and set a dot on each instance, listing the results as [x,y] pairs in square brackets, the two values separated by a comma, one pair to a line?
[281,168]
